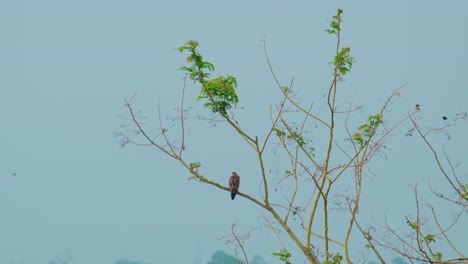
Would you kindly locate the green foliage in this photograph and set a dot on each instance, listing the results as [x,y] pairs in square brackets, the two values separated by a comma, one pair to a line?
[343,61]
[285,89]
[429,238]
[464,196]
[437,257]
[335,27]
[366,131]
[195,165]
[298,138]
[195,70]
[358,138]
[194,169]
[280,133]
[413,225]
[335,259]
[283,255]
[367,235]
[220,92]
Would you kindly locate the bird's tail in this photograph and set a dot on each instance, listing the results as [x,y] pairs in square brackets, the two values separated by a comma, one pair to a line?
[233,193]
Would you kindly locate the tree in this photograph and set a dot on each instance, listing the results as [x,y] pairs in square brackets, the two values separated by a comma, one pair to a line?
[419,242]
[322,179]
[220,257]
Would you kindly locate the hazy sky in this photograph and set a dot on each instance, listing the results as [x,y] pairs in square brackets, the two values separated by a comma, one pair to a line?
[67,66]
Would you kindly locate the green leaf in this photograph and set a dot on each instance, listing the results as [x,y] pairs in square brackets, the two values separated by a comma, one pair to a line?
[465,196]
[279,133]
[413,225]
[283,255]
[358,138]
[429,238]
[335,23]
[437,257]
[195,165]
[367,235]
[285,89]
[219,93]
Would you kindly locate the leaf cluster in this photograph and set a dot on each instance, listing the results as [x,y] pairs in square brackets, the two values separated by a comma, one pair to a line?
[198,65]
[335,23]
[367,130]
[283,255]
[220,93]
[437,256]
[464,195]
[296,137]
[335,259]
[343,61]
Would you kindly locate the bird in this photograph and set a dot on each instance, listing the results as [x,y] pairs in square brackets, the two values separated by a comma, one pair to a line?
[234,182]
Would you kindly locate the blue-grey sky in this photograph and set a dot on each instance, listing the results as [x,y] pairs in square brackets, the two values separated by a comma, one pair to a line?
[66,66]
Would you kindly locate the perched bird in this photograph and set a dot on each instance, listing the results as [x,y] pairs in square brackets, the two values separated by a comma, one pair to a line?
[234,182]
